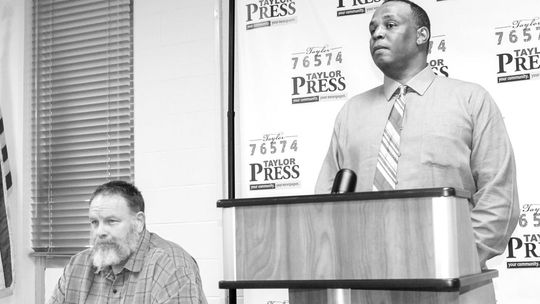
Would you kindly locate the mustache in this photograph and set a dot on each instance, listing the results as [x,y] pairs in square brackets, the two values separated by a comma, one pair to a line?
[109,241]
[105,243]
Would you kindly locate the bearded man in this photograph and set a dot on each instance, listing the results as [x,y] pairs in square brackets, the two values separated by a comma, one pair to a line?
[127,263]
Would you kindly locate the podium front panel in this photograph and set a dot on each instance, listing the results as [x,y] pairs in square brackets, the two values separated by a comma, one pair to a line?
[395,238]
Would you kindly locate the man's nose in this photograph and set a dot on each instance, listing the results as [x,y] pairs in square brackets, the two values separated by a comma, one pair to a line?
[378,33]
[101,231]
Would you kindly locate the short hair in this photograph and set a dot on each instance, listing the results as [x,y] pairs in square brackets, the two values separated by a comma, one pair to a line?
[128,191]
[421,18]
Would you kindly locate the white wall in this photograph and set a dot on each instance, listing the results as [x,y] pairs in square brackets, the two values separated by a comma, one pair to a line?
[13,102]
[178,132]
[178,123]
[178,129]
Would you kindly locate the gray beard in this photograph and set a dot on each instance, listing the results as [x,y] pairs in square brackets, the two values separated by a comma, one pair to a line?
[113,252]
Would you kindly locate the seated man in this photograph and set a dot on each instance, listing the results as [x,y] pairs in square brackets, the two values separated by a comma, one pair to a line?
[127,263]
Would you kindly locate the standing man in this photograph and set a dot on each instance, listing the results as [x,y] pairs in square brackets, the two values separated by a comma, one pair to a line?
[127,263]
[419,130]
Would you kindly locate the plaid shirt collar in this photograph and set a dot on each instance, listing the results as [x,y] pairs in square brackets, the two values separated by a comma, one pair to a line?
[136,260]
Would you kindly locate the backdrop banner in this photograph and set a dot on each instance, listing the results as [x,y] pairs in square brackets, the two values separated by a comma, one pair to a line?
[298,61]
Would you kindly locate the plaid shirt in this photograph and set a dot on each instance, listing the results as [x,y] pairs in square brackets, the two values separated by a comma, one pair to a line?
[158,272]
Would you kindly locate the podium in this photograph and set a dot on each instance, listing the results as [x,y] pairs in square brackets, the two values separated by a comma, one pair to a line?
[404,246]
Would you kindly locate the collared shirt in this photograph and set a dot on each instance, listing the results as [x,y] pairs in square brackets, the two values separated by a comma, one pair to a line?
[453,135]
[158,272]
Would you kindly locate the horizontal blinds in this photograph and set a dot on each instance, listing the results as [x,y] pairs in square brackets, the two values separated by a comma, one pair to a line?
[83,114]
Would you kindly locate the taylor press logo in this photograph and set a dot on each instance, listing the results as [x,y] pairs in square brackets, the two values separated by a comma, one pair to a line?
[519,55]
[437,55]
[317,74]
[355,7]
[524,245]
[274,163]
[265,13]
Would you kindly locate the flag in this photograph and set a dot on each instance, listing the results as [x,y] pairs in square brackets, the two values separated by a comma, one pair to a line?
[6,183]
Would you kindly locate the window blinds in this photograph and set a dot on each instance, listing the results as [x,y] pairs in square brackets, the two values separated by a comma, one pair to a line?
[82,114]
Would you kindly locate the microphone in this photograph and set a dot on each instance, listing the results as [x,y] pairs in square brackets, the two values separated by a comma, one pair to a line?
[345,181]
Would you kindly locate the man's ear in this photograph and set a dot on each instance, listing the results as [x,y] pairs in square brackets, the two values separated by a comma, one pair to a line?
[140,220]
[422,35]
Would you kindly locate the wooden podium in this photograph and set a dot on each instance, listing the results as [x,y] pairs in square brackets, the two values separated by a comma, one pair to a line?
[407,246]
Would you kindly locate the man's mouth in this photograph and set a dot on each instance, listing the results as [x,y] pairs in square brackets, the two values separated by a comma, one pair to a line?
[104,243]
[379,47]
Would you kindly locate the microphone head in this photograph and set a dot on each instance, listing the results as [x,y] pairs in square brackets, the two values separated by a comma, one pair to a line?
[345,181]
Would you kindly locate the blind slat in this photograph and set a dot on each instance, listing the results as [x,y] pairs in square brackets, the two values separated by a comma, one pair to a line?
[78,68]
[118,134]
[106,43]
[78,177]
[72,224]
[87,93]
[65,192]
[85,17]
[67,203]
[81,189]
[58,68]
[119,25]
[94,52]
[87,51]
[84,111]
[84,34]
[62,12]
[117,44]
[78,103]
[81,153]
[113,97]
[68,4]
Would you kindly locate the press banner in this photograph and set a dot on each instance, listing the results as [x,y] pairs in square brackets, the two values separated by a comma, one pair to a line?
[298,61]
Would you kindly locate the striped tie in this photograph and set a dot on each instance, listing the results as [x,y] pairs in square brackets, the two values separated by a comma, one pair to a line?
[387,161]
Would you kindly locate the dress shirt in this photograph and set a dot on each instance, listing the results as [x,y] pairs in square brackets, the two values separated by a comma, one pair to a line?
[158,272]
[453,135]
